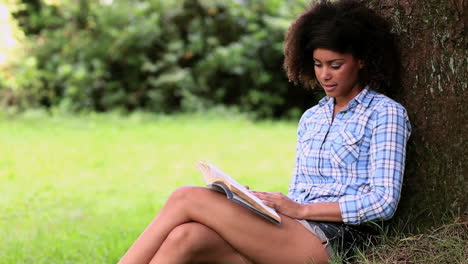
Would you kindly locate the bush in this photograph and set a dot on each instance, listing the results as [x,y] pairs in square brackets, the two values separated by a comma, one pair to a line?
[162,56]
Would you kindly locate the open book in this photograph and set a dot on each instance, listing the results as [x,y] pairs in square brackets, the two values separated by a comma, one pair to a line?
[220,181]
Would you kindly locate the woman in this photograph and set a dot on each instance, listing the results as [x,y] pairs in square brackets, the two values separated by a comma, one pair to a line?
[349,161]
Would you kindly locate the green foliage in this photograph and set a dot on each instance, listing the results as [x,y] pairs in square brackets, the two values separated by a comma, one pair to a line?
[163,56]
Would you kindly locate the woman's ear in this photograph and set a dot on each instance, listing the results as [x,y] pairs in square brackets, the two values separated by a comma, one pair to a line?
[361,64]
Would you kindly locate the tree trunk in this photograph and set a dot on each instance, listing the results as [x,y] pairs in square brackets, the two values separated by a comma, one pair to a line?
[434,58]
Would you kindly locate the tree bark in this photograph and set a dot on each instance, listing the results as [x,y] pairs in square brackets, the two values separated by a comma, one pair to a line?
[434,58]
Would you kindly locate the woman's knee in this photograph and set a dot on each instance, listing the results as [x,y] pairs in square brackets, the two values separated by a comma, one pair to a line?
[187,239]
[188,194]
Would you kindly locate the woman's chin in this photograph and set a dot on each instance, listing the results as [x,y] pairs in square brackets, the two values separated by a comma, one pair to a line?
[330,93]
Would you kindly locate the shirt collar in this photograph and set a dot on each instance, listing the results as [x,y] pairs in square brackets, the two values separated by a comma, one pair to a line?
[364,97]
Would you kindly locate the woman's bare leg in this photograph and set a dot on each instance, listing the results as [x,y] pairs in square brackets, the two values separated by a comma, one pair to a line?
[247,233]
[195,243]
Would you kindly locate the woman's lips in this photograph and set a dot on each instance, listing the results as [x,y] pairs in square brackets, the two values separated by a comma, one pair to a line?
[328,87]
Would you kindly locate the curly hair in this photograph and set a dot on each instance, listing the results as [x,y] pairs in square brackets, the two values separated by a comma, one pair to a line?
[344,26]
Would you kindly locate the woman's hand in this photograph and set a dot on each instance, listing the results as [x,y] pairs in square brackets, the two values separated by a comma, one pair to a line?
[281,203]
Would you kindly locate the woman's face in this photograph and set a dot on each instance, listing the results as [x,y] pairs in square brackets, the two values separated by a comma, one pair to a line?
[337,73]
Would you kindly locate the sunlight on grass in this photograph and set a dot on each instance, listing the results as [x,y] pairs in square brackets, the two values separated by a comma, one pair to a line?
[81,189]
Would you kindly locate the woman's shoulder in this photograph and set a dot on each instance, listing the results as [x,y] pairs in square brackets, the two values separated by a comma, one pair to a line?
[308,117]
[310,112]
[382,103]
[387,110]
[316,109]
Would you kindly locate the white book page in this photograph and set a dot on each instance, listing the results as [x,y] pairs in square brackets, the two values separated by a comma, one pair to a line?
[240,187]
[206,172]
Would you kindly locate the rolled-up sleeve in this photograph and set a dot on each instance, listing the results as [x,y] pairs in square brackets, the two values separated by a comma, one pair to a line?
[387,153]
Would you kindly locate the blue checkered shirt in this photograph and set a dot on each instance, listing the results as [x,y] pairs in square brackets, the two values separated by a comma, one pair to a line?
[357,159]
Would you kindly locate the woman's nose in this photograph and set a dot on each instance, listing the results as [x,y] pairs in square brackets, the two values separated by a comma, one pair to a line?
[325,74]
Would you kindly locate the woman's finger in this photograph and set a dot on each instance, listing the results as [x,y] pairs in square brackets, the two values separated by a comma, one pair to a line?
[262,195]
[268,203]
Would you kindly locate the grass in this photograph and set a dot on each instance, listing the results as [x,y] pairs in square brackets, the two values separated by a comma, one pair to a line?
[80,189]
[445,244]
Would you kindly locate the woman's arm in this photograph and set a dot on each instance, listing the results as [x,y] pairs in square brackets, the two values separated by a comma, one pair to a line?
[387,162]
[326,211]
[322,212]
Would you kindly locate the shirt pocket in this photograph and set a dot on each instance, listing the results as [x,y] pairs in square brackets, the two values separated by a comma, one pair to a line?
[345,148]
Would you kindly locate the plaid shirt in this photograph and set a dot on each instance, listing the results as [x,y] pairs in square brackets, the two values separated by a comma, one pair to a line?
[356,160]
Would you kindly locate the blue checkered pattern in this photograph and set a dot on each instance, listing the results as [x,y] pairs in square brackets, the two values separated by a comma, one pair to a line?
[357,160]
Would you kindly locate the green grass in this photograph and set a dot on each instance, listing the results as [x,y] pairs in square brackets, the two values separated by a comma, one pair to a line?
[81,189]
[445,244]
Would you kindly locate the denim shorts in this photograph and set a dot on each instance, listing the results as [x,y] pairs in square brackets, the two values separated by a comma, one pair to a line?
[337,238]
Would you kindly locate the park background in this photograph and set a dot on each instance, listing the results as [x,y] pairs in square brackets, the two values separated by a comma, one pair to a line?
[106,105]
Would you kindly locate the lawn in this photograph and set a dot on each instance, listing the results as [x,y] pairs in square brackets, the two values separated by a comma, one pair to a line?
[80,189]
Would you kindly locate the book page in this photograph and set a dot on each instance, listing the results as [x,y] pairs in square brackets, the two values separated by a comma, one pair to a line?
[215,172]
[206,172]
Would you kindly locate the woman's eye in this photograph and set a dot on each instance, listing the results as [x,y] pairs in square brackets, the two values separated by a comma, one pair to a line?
[336,67]
[317,65]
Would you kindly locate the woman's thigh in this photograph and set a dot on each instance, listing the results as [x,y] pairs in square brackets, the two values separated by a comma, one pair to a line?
[251,235]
